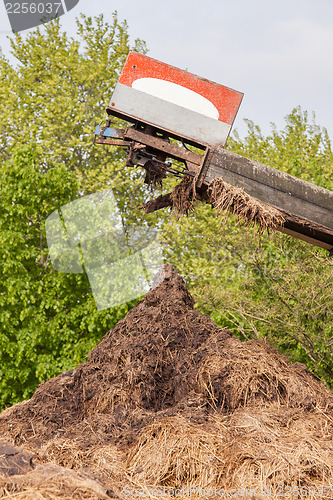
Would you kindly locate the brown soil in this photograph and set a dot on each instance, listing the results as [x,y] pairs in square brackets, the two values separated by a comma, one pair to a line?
[169,400]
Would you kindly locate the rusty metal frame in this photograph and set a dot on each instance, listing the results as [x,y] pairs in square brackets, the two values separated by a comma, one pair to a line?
[195,164]
[163,146]
[204,167]
[112,142]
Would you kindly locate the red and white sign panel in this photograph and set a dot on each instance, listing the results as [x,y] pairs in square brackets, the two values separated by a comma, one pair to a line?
[175,100]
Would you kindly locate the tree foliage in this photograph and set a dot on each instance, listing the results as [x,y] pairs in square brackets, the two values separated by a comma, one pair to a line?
[56,94]
[51,99]
[49,320]
[302,149]
[59,88]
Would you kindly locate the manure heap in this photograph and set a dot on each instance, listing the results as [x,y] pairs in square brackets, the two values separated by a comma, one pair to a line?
[170,403]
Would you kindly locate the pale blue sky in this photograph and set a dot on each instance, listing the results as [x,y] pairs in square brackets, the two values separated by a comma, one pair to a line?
[278,53]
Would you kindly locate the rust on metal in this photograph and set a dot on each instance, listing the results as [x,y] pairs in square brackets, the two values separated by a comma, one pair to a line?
[112,142]
[204,167]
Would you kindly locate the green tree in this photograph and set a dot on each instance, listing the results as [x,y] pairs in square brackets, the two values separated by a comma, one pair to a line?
[49,320]
[53,97]
[57,91]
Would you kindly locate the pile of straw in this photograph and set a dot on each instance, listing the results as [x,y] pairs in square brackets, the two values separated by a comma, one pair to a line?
[52,482]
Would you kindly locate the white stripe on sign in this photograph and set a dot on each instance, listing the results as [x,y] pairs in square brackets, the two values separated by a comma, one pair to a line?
[177,94]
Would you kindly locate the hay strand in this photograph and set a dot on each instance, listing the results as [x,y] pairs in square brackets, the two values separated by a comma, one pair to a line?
[225,197]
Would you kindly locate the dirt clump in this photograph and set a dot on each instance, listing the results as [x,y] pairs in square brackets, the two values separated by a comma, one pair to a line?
[168,400]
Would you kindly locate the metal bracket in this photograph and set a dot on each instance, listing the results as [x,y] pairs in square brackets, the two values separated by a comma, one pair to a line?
[148,145]
[204,166]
